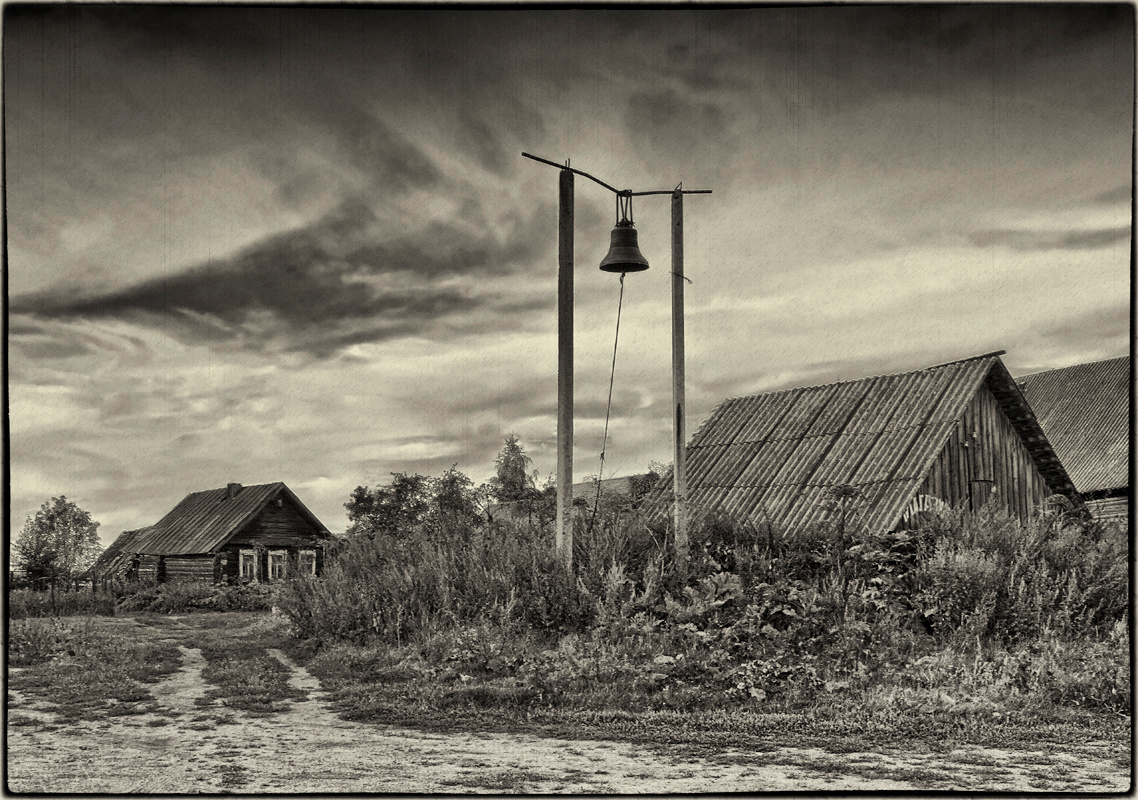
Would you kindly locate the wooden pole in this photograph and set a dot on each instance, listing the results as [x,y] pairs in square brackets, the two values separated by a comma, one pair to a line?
[679,471]
[564,524]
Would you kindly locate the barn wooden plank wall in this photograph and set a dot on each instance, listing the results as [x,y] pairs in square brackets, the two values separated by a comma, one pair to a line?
[150,568]
[984,447]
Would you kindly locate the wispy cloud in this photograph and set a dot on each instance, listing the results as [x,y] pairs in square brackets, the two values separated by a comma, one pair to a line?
[1051,240]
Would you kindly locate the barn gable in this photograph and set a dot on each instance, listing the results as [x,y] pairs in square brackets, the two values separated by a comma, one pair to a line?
[776,457]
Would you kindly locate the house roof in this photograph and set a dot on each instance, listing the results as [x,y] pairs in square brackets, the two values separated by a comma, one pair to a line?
[775,456]
[111,559]
[1085,410]
[609,486]
[204,521]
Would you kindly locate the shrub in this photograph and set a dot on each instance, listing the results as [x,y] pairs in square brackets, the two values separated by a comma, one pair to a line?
[23,603]
[397,588]
[186,597]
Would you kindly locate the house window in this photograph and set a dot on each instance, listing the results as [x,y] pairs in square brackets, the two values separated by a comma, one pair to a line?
[278,563]
[307,562]
[249,565]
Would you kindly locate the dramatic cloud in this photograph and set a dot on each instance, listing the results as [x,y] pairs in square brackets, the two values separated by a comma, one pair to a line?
[315,282]
[301,244]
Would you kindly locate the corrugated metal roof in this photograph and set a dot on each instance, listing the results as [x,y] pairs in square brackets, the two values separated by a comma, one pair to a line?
[1085,412]
[774,457]
[204,521]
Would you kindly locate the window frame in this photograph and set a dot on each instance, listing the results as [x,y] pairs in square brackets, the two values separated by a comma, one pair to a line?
[283,555]
[252,554]
[300,556]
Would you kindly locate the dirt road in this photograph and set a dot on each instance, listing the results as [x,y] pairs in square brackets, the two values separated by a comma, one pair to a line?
[188,747]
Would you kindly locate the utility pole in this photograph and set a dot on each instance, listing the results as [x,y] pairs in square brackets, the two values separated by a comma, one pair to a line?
[679,470]
[563,536]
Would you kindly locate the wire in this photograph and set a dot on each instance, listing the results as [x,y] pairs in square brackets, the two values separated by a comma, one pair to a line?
[608,407]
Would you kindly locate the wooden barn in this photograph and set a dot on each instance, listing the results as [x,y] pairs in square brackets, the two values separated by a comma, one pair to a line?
[233,534]
[959,435]
[1085,412]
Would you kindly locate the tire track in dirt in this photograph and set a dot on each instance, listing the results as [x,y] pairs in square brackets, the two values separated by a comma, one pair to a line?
[189,747]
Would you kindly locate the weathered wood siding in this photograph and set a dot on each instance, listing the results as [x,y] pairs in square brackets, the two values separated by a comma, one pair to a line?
[229,560]
[984,452]
[150,568]
[1110,508]
[278,527]
[199,569]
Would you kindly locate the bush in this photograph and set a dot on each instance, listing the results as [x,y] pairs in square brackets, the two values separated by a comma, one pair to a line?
[186,597]
[23,603]
[969,612]
[397,588]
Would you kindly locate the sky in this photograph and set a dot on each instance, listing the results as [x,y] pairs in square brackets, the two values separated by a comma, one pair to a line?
[301,244]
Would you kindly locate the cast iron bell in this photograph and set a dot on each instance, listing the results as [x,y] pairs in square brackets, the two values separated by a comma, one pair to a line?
[624,252]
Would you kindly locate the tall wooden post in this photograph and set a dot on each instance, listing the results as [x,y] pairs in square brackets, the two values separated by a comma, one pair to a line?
[564,525]
[679,471]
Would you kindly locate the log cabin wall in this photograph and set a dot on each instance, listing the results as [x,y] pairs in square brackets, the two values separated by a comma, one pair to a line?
[1115,508]
[229,560]
[984,452]
[196,568]
[277,527]
[150,568]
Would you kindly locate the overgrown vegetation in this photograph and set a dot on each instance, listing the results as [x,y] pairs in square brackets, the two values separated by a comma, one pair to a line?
[83,670]
[165,598]
[973,622]
[187,597]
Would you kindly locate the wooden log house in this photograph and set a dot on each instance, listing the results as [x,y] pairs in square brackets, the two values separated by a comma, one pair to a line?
[234,534]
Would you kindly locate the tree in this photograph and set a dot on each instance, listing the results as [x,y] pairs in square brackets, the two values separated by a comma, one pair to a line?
[60,541]
[394,509]
[455,496]
[513,482]
[439,506]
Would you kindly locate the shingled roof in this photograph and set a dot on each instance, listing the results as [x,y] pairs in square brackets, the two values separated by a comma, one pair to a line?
[1085,410]
[204,521]
[776,456]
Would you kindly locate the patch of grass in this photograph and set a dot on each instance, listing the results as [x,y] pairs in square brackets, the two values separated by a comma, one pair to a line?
[513,781]
[246,678]
[16,720]
[101,671]
[233,776]
[25,603]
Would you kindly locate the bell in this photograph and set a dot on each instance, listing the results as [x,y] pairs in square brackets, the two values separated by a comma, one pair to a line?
[624,252]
